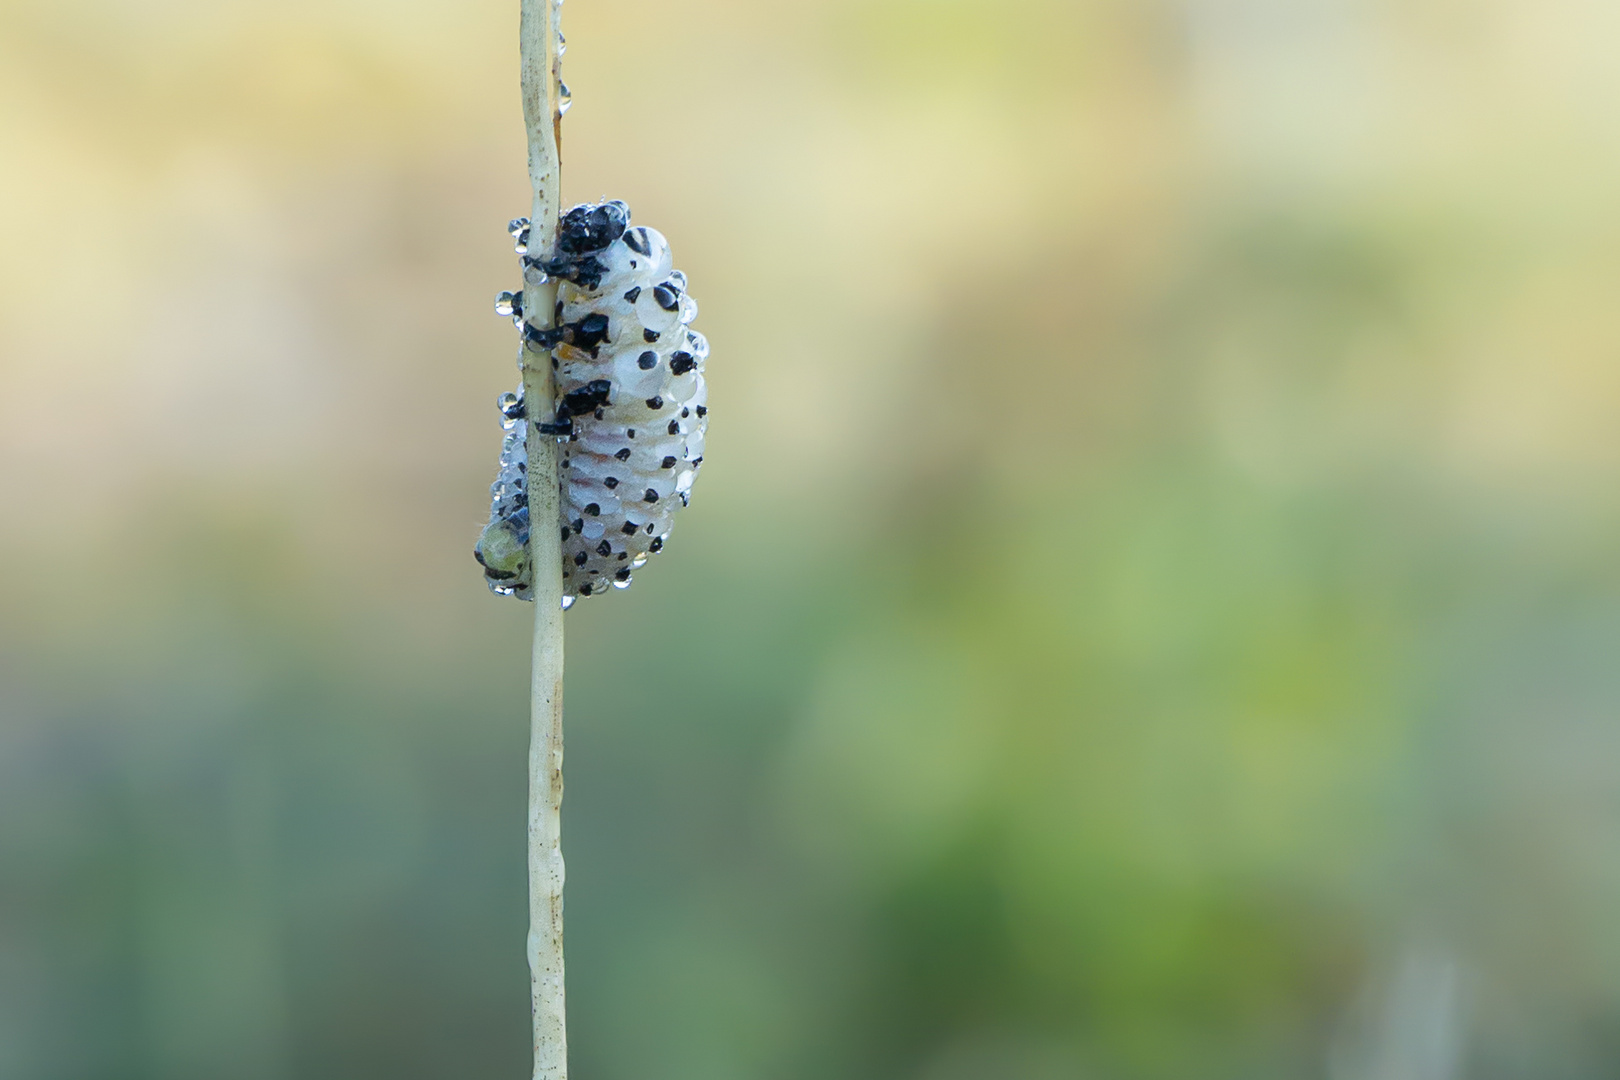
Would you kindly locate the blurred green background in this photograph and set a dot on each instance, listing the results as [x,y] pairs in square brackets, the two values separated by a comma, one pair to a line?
[1152,611]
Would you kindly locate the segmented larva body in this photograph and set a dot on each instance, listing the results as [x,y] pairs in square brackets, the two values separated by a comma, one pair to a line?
[631,406]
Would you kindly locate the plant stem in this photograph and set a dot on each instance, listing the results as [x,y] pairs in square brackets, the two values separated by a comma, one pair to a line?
[541,116]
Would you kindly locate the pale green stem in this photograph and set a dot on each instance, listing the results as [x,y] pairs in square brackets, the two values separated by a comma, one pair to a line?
[540,114]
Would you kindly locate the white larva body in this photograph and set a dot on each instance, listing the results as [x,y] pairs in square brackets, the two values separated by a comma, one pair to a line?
[629,377]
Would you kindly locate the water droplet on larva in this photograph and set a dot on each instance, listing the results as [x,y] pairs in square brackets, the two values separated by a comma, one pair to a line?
[505,305]
[565,98]
[519,228]
[562,43]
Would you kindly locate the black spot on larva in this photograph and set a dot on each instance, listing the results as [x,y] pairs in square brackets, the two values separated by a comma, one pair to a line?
[651,496]
[588,333]
[703,410]
[557,313]
[565,532]
[623,575]
[579,524]
[513,407]
[593,509]
[542,339]
[623,455]
[649,528]
[667,298]
[628,528]
[579,559]
[674,427]
[585,589]
[633,295]
[655,402]
[649,336]
[587,398]
[647,360]
[604,548]
[681,362]
[623,555]
[610,482]
[586,271]
[669,462]
[599,414]
[656,546]
[636,240]
[630,433]
[685,413]
[561,427]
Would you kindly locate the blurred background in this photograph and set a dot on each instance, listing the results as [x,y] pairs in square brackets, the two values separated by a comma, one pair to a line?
[1152,611]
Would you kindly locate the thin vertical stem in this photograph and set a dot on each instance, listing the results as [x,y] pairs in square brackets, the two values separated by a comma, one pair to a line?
[540,113]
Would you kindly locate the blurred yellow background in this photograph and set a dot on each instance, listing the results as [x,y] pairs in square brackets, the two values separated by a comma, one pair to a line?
[1152,610]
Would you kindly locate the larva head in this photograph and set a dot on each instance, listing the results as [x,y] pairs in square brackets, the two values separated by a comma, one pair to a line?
[584,233]
[591,227]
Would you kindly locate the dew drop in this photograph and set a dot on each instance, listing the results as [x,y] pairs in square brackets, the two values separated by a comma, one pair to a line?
[519,228]
[505,305]
[565,99]
[567,602]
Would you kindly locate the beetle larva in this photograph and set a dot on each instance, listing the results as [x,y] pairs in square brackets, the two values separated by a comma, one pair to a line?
[631,405]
